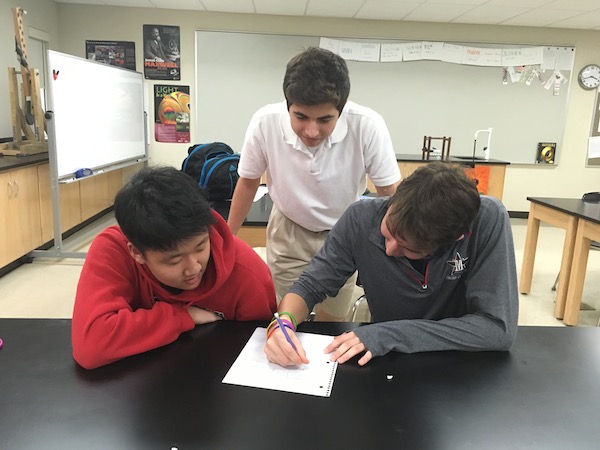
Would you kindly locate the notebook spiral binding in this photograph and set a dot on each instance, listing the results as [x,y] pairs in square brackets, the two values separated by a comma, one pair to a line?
[331,378]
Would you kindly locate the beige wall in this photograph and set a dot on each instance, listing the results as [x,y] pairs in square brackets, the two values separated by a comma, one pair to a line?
[570,178]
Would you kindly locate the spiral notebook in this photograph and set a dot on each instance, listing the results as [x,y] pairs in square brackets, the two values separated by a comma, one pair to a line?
[251,367]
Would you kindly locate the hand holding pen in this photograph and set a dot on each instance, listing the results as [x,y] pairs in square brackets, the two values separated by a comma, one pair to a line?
[283,346]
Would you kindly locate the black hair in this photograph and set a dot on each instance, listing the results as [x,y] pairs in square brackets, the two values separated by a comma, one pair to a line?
[161,207]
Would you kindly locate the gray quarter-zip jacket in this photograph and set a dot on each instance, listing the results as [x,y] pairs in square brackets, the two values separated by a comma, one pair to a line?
[465,299]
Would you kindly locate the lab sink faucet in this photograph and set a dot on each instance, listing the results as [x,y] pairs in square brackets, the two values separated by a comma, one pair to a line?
[486,149]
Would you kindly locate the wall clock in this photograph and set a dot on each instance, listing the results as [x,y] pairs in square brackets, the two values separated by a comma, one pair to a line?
[589,76]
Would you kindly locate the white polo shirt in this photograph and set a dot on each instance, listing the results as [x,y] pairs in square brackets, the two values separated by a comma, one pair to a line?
[314,190]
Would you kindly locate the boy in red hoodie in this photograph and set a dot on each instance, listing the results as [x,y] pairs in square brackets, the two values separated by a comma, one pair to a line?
[170,265]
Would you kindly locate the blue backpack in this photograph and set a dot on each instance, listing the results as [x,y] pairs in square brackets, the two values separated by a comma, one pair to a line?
[214,167]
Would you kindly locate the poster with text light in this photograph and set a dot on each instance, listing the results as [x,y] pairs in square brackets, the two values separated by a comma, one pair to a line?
[171,113]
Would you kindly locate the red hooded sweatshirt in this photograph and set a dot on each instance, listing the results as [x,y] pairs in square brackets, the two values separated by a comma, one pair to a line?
[121,309]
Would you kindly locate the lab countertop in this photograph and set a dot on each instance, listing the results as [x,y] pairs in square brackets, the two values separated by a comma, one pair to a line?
[456,159]
[15,162]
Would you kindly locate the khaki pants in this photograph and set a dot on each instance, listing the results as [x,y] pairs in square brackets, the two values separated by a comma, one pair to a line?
[290,248]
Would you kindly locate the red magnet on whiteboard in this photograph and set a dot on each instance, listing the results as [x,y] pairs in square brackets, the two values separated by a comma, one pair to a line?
[55,74]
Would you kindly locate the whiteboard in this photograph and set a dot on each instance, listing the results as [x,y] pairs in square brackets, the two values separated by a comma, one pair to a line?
[237,73]
[98,114]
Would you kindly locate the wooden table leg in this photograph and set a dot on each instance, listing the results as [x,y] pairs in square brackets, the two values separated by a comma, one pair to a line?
[586,231]
[533,229]
[564,276]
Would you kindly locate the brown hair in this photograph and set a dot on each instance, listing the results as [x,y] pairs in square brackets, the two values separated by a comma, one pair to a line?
[316,76]
[433,206]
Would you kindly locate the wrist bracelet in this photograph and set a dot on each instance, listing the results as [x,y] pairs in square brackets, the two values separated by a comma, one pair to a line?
[286,323]
[272,324]
[291,316]
[270,333]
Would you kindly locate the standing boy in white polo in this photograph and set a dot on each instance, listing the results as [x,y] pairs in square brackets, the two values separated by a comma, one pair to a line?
[316,149]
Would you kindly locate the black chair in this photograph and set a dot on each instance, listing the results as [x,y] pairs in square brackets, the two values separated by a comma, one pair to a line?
[359,301]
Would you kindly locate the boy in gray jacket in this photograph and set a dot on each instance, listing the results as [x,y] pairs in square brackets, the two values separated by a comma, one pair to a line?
[437,264]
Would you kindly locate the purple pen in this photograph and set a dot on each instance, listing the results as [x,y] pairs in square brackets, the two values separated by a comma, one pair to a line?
[282,327]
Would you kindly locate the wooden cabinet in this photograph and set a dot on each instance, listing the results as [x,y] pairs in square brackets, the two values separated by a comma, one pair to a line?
[495,174]
[254,236]
[94,195]
[115,182]
[26,220]
[79,200]
[98,192]
[20,225]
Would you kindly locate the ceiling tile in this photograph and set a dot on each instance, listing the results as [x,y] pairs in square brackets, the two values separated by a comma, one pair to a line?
[456,2]
[231,6]
[430,12]
[490,14]
[90,2]
[194,5]
[128,3]
[584,5]
[521,3]
[279,7]
[580,14]
[582,21]
[538,18]
[333,8]
[386,9]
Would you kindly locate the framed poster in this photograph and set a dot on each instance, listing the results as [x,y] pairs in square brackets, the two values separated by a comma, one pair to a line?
[161,52]
[171,113]
[114,53]
[546,153]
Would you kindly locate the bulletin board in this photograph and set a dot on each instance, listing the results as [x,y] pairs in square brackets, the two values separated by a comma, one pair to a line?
[237,73]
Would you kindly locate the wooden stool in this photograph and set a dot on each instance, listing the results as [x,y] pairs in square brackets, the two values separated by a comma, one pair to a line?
[446,141]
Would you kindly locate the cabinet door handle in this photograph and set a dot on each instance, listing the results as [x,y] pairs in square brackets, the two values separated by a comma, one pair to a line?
[16,185]
[9,189]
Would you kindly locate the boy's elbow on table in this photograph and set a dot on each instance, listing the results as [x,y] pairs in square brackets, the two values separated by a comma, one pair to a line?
[89,357]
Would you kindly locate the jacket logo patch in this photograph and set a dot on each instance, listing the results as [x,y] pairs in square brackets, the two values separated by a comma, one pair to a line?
[458,264]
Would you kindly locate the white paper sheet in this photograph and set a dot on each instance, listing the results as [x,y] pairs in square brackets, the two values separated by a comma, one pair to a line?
[594,147]
[251,367]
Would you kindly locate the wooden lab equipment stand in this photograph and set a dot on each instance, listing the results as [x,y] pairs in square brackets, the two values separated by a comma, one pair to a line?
[446,141]
[25,103]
